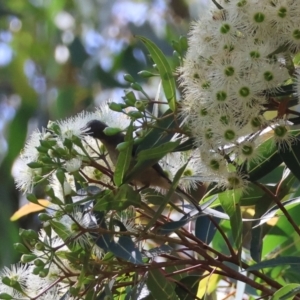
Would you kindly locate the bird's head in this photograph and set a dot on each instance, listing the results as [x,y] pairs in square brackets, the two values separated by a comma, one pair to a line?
[96,130]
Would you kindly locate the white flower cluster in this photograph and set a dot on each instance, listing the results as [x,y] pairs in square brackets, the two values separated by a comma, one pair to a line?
[42,278]
[27,177]
[45,272]
[238,57]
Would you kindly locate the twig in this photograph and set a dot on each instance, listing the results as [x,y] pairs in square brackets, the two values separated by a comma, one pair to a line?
[280,205]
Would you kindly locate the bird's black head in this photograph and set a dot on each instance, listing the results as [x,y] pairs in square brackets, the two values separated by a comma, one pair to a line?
[96,128]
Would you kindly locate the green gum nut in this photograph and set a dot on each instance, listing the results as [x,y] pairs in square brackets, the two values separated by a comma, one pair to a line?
[111,131]
[140,105]
[146,74]
[128,78]
[115,106]
[130,98]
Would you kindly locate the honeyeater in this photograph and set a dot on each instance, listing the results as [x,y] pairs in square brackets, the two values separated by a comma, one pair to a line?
[153,176]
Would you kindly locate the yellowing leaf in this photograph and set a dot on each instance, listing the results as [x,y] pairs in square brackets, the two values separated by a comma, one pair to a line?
[29,208]
[207,285]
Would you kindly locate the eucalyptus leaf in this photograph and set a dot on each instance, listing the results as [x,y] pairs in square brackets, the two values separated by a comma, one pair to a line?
[165,71]
[186,145]
[287,292]
[230,204]
[205,229]
[191,284]
[158,152]
[289,260]
[174,225]
[291,156]
[118,199]
[124,158]
[125,249]
[275,211]
[257,232]
[162,132]
[160,287]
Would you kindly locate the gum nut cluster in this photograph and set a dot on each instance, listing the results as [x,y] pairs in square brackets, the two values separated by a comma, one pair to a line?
[229,75]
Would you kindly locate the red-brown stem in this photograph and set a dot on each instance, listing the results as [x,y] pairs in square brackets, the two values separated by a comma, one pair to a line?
[280,205]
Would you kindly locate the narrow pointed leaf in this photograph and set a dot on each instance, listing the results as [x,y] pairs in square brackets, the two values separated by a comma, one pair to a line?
[291,157]
[186,146]
[191,284]
[160,287]
[165,71]
[6,296]
[287,292]
[230,204]
[205,229]
[124,158]
[275,211]
[61,230]
[158,152]
[288,260]
[125,249]
[104,241]
[118,199]
[257,233]
[172,226]
[162,132]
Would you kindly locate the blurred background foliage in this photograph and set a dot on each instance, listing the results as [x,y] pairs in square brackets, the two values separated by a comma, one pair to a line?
[58,57]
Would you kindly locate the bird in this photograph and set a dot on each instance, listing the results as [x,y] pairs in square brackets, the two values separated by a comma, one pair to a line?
[153,176]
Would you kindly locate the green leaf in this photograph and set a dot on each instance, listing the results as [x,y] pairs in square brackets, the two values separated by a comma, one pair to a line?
[288,260]
[165,71]
[270,159]
[191,284]
[275,210]
[186,146]
[12,283]
[6,296]
[118,199]
[280,238]
[256,244]
[152,196]
[60,175]
[252,196]
[60,229]
[160,287]
[261,206]
[124,158]
[205,229]
[291,157]
[125,249]
[172,226]
[162,132]
[157,153]
[287,292]
[230,204]
[149,157]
